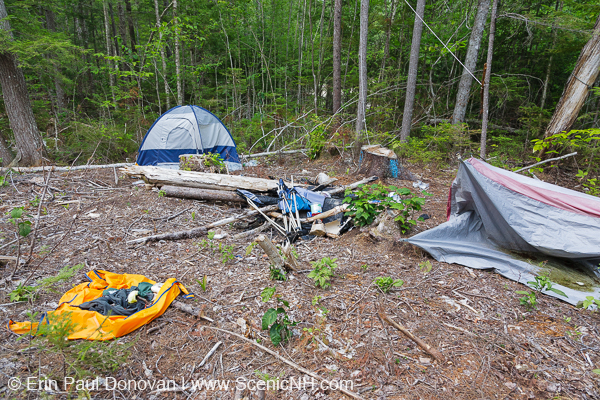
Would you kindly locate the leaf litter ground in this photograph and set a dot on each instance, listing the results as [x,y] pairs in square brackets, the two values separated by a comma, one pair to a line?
[494,348]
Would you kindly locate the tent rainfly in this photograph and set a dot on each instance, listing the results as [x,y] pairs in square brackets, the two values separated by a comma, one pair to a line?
[187,130]
[521,228]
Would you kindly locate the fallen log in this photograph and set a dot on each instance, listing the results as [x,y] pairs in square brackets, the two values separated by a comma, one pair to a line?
[163,176]
[64,169]
[430,350]
[270,153]
[183,192]
[202,230]
[354,185]
[546,161]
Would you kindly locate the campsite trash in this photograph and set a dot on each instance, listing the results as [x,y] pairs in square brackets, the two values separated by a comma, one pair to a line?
[421,185]
[502,220]
[315,208]
[87,322]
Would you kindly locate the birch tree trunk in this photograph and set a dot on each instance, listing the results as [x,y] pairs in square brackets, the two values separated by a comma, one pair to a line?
[486,81]
[579,84]
[464,87]
[337,56]
[413,66]
[16,101]
[162,54]
[362,70]
[177,58]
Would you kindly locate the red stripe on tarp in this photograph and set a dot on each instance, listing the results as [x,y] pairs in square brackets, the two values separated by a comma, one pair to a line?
[563,201]
[449,205]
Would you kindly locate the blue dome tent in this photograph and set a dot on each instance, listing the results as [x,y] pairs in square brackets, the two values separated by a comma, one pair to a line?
[187,130]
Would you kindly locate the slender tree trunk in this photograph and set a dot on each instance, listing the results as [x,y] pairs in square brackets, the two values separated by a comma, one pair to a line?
[111,77]
[162,54]
[579,84]
[388,33]
[486,82]
[16,101]
[337,56]
[549,67]
[413,68]
[300,52]
[131,27]
[58,87]
[114,29]
[177,59]
[464,87]
[362,70]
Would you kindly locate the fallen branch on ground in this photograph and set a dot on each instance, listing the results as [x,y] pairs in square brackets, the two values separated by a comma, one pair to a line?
[202,230]
[65,169]
[430,350]
[273,253]
[292,364]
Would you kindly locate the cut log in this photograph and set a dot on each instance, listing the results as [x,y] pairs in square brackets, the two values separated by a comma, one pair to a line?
[183,192]
[376,161]
[162,176]
[202,230]
[272,252]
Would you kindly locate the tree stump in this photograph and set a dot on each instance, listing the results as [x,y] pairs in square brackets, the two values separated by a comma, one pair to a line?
[210,163]
[382,162]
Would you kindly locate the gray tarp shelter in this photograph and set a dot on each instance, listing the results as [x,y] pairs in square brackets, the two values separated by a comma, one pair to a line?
[520,227]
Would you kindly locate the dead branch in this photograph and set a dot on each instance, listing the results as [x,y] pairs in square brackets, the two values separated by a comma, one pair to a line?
[65,169]
[546,161]
[292,364]
[342,189]
[192,233]
[430,350]
[251,232]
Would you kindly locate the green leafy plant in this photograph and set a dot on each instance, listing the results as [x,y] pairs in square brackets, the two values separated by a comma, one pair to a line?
[18,218]
[22,293]
[162,193]
[202,283]
[425,267]
[364,267]
[529,300]
[543,283]
[323,271]
[316,300]
[369,201]
[276,273]
[589,300]
[385,283]
[226,253]
[271,382]
[276,320]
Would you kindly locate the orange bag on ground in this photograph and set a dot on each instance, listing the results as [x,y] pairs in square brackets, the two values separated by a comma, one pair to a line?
[92,325]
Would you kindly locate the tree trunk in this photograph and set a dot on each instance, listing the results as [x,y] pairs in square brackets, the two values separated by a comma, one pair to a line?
[549,67]
[60,93]
[113,29]
[5,154]
[111,77]
[486,81]
[183,192]
[362,70]
[580,82]
[16,101]
[464,87]
[337,56]
[130,23]
[413,66]
[177,58]
[162,54]
[300,48]
[386,48]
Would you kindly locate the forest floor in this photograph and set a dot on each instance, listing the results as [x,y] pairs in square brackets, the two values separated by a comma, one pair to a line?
[493,347]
